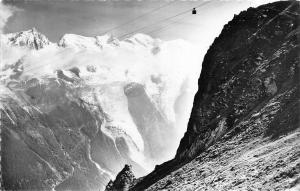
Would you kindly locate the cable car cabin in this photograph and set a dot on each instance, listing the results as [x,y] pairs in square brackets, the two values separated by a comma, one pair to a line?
[194,12]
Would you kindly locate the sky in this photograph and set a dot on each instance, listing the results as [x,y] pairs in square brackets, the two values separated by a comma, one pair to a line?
[54,18]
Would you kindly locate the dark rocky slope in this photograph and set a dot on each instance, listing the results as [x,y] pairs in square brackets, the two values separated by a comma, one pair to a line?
[243,133]
[123,180]
[51,138]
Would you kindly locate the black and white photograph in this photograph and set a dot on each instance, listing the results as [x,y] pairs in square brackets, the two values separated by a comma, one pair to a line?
[150,95]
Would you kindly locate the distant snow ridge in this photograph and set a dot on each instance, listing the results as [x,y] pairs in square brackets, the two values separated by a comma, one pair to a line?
[82,42]
[31,39]
[100,42]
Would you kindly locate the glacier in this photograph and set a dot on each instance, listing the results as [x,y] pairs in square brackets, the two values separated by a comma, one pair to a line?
[131,100]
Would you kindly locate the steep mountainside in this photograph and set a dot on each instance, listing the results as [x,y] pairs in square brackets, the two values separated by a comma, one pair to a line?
[243,133]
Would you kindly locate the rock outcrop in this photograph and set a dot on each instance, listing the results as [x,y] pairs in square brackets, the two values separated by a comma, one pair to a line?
[243,133]
[123,180]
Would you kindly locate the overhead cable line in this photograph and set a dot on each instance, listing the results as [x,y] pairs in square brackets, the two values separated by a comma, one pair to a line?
[165,27]
[139,17]
[163,20]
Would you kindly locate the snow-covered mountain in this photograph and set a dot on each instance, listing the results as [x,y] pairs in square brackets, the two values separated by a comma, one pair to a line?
[82,42]
[74,112]
[30,39]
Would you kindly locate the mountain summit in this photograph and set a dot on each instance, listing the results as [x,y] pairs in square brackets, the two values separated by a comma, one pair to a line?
[31,38]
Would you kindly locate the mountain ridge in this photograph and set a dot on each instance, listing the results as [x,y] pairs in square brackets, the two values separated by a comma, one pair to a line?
[34,39]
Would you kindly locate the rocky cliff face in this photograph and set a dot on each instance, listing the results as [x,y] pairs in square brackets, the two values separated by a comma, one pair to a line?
[243,132]
[254,59]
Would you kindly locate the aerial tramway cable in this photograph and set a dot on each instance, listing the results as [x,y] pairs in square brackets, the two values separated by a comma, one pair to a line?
[139,17]
[163,20]
[165,27]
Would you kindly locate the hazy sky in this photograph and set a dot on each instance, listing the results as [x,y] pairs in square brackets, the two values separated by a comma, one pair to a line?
[94,17]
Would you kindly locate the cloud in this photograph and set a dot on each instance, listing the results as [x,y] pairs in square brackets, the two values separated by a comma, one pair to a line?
[6,11]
